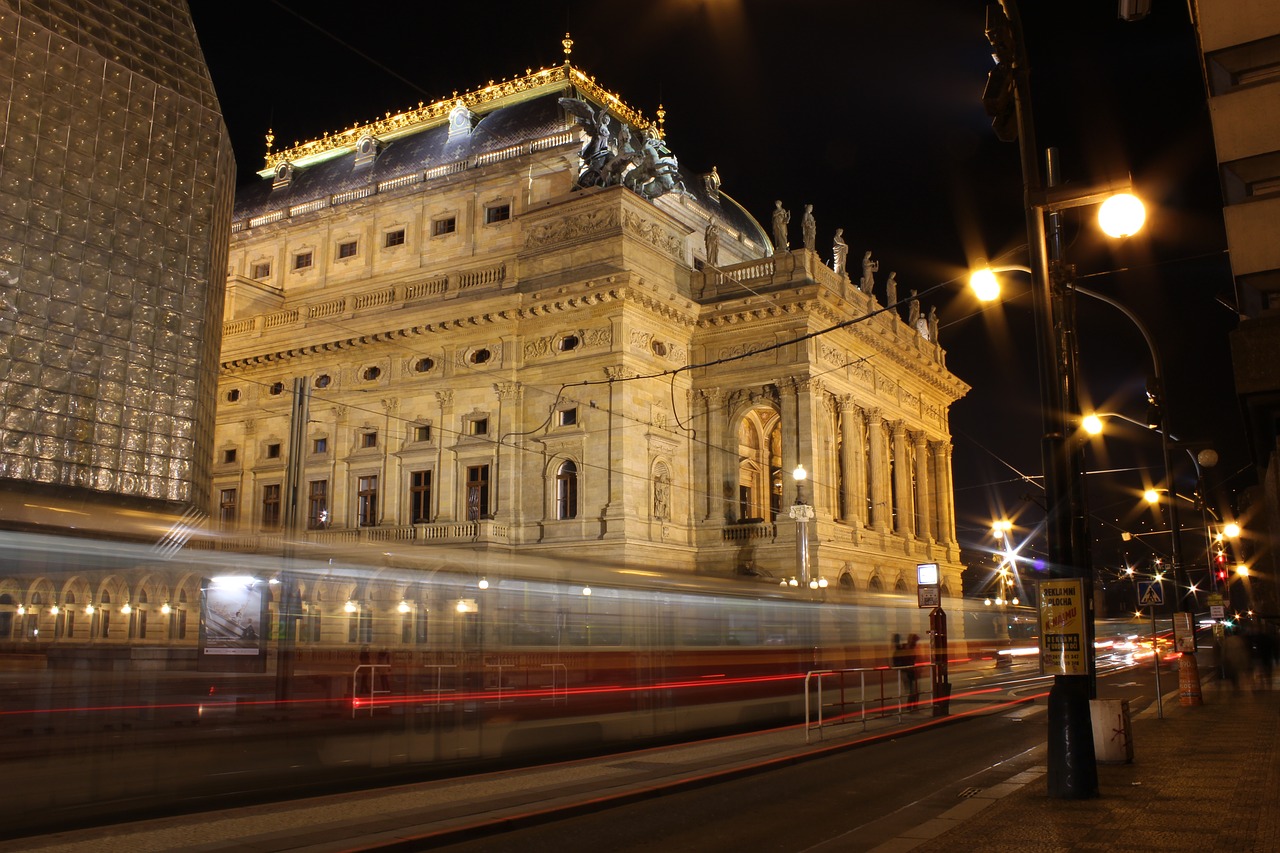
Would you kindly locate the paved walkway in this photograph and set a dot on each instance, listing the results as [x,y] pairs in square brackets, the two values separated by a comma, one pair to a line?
[1204,778]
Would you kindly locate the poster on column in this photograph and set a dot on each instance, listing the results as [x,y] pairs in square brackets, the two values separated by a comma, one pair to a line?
[1063,643]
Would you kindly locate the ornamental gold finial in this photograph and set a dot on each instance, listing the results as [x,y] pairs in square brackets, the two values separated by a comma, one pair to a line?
[662,117]
[568,46]
[271,137]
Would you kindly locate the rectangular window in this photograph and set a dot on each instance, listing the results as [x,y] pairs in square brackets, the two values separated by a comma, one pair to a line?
[273,450]
[394,238]
[229,456]
[477,492]
[567,417]
[347,250]
[271,506]
[227,508]
[447,225]
[302,260]
[478,426]
[367,501]
[318,504]
[422,432]
[497,213]
[261,271]
[368,439]
[320,445]
[420,497]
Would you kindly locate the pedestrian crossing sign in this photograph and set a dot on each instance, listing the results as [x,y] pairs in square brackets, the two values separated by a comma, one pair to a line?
[1150,593]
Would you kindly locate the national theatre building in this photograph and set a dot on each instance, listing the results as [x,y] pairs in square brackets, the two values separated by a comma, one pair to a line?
[512,322]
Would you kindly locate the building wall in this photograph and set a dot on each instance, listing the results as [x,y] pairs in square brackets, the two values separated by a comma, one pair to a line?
[115,208]
[1240,46]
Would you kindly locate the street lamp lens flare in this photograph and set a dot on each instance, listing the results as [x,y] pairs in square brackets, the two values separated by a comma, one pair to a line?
[985,285]
[1151,496]
[1092,424]
[1232,530]
[1122,215]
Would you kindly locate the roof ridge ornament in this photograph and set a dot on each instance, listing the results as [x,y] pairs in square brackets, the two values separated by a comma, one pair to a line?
[568,47]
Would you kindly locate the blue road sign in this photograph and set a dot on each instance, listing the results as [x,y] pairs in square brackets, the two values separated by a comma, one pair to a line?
[1150,593]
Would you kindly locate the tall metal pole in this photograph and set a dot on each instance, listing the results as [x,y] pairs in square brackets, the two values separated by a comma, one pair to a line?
[1072,763]
[1188,668]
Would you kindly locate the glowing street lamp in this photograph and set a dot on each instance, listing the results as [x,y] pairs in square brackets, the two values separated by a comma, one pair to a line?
[802,513]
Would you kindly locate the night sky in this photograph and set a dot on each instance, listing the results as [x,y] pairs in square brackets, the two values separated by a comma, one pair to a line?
[871,112]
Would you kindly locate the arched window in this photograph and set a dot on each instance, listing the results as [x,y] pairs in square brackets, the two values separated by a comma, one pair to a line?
[567,490]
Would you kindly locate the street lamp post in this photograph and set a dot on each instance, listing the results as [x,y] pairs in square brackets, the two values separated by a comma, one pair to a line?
[802,513]
[1072,764]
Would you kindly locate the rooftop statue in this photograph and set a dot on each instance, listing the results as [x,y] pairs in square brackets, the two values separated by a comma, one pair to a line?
[712,240]
[595,151]
[840,253]
[809,228]
[869,269]
[632,158]
[891,290]
[781,219]
[656,172]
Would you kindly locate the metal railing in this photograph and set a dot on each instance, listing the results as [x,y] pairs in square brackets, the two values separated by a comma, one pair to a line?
[881,702]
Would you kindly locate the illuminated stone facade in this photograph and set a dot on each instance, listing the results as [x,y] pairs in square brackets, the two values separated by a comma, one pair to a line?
[487,355]
[115,203]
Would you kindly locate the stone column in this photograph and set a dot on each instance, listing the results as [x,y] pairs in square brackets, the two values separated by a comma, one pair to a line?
[789,426]
[389,481]
[506,474]
[816,494]
[717,418]
[942,496]
[879,471]
[853,461]
[447,496]
[949,493]
[903,497]
[923,475]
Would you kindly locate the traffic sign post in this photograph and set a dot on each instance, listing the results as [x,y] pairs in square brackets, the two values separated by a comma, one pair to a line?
[1151,594]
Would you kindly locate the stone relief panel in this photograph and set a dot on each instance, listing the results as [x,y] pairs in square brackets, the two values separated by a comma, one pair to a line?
[744,348]
[657,236]
[572,227]
[832,354]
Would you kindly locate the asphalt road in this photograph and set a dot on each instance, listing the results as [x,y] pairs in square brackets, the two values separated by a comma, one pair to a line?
[850,801]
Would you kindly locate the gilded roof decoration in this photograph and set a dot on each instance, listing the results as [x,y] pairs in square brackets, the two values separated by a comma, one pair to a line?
[425,115]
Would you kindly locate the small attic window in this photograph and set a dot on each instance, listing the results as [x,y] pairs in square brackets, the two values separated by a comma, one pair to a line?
[366,150]
[284,175]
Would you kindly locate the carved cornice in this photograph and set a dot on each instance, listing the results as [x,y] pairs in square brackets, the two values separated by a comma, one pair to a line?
[672,313]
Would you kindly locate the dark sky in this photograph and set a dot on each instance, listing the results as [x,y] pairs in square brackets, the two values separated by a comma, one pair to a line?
[870,111]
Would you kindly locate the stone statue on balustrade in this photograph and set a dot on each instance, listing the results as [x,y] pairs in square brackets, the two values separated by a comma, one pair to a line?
[869,269]
[933,324]
[711,240]
[781,219]
[840,253]
[891,290]
[913,315]
[809,228]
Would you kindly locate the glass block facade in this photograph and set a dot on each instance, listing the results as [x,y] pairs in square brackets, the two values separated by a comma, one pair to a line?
[116,184]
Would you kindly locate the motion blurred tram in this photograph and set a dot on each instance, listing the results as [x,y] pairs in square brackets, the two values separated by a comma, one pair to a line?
[204,677]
